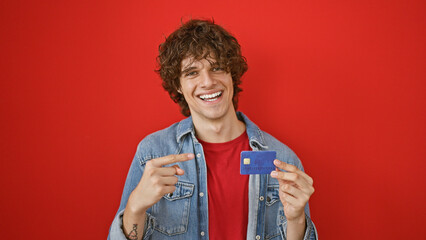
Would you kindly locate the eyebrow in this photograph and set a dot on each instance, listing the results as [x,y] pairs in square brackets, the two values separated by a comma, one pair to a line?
[188,69]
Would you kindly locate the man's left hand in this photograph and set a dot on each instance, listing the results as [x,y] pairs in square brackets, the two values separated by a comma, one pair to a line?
[296,187]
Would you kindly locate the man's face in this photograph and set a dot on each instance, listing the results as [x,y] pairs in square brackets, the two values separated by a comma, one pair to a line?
[207,89]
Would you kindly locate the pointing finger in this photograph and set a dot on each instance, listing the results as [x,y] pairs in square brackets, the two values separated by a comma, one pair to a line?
[172,159]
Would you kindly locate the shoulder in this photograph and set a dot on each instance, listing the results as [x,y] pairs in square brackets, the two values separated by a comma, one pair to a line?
[165,135]
[158,144]
[269,142]
[284,153]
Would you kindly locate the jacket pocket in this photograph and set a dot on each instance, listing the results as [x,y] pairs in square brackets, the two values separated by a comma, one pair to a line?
[172,211]
[274,213]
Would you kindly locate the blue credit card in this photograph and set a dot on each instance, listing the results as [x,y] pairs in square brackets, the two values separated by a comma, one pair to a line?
[257,162]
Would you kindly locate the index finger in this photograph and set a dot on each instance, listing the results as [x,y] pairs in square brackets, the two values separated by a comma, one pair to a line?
[174,158]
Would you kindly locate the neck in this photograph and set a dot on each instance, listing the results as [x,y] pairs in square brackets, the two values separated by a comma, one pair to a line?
[219,130]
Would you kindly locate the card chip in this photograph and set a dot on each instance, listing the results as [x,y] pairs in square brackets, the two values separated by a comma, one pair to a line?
[246,161]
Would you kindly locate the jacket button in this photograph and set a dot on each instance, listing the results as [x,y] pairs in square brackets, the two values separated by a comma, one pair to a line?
[268,199]
[201,194]
[198,155]
[202,233]
[257,237]
[261,198]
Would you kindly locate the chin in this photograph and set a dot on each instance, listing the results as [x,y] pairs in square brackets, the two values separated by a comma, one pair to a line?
[218,114]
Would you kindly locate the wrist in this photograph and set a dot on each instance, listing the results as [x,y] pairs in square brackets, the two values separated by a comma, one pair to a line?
[296,227]
[134,210]
[135,206]
[297,220]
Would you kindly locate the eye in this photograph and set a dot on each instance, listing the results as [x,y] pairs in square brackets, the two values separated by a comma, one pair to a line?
[190,74]
[217,69]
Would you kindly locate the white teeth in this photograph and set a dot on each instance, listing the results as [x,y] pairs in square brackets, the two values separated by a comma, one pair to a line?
[208,97]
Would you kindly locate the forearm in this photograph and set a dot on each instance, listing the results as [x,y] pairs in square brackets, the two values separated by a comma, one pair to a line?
[133,224]
[296,228]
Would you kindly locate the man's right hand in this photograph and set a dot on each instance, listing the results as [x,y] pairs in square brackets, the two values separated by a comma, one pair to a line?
[156,181]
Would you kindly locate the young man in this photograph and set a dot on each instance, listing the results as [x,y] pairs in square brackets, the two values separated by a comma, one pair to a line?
[185,181]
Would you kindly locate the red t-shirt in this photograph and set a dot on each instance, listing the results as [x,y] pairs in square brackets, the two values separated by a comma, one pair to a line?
[227,188]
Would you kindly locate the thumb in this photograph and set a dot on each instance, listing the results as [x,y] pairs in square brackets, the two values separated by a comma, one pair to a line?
[179,171]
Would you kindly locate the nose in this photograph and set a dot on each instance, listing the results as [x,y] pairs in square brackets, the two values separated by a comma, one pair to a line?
[207,80]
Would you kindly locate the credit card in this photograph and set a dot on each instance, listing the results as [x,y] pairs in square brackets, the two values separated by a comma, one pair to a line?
[257,162]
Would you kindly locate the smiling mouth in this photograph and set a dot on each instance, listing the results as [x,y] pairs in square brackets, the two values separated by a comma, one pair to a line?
[210,97]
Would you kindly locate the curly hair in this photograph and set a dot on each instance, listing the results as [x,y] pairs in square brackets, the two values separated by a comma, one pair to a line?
[199,39]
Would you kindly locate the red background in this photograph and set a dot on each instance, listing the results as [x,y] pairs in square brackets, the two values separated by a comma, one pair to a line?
[341,82]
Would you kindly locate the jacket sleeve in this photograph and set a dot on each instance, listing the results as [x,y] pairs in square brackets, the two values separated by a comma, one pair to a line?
[133,177]
[311,231]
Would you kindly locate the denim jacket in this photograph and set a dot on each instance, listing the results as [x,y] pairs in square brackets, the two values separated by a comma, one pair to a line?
[184,213]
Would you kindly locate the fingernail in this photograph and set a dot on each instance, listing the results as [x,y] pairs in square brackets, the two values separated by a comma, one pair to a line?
[191,155]
[274,173]
[276,161]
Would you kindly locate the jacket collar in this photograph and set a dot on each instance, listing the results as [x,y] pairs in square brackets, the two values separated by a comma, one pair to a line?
[255,135]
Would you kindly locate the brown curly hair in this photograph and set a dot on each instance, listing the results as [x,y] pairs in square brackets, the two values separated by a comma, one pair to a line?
[199,39]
